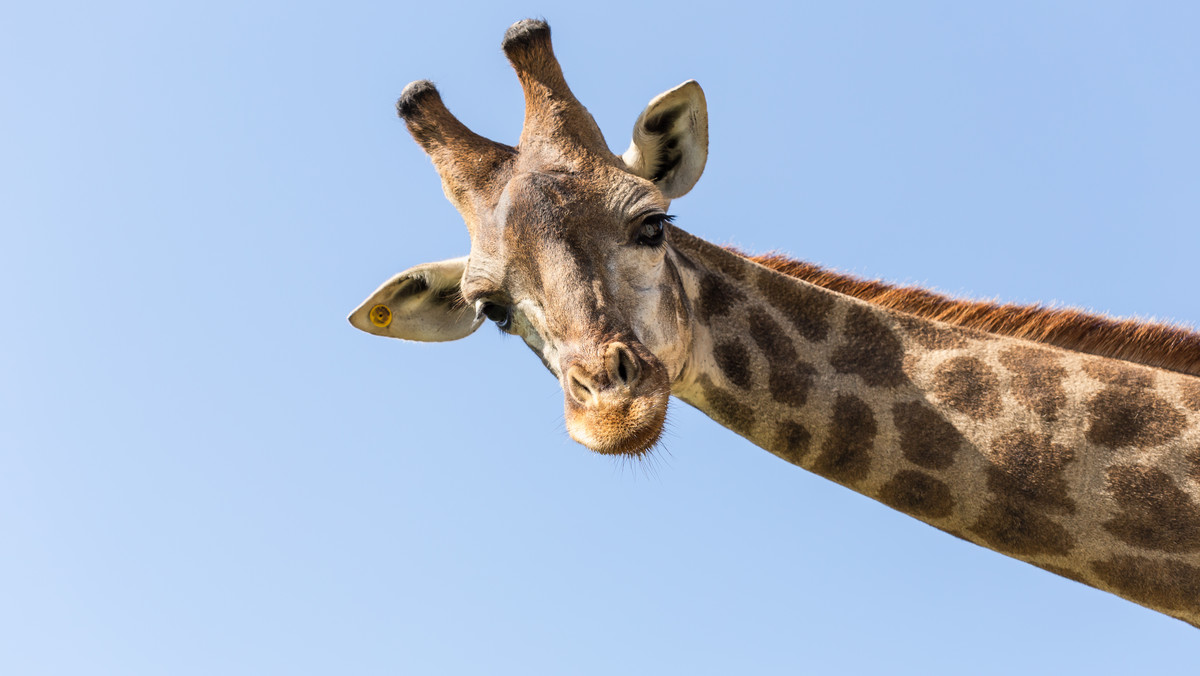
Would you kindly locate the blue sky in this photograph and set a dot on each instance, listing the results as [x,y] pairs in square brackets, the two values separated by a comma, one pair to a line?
[204,469]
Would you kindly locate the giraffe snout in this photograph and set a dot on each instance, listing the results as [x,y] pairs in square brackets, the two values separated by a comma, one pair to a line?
[617,375]
[616,400]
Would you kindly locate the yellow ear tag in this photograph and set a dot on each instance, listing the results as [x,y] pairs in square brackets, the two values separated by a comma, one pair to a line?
[381,316]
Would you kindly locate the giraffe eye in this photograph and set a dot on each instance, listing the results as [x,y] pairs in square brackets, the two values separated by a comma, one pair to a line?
[651,231]
[497,313]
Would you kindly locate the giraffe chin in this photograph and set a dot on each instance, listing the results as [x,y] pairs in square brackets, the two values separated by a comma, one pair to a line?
[631,428]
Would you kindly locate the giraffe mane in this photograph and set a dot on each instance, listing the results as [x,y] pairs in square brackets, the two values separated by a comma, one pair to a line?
[1172,347]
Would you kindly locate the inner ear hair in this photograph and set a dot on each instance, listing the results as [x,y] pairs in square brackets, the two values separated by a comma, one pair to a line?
[662,137]
[670,140]
[412,286]
[438,282]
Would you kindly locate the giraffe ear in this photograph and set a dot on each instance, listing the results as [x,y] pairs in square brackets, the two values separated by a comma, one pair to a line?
[421,303]
[670,140]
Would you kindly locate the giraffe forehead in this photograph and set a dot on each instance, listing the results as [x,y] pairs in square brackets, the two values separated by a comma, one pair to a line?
[572,194]
[573,218]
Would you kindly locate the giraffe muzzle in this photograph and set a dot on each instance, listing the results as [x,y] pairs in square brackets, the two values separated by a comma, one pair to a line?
[619,377]
[616,403]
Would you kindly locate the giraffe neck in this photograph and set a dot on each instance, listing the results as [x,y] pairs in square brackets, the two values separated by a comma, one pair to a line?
[1086,466]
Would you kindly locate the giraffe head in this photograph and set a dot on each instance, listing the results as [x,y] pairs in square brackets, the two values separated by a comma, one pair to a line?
[569,245]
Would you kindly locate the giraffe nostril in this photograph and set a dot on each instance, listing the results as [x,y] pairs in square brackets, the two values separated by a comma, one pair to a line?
[623,365]
[582,388]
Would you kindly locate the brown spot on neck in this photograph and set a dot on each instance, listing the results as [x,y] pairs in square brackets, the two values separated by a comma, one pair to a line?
[870,350]
[792,441]
[790,385]
[1027,481]
[926,438]
[1156,513]
[846,454]
[734,362]
[1027,468]
[969,386]
[770,338]
[1118,374]
[717,297]
[1162,584]
[1132,416]
[1017,530]
[807,308]
[789,378]
[932,335]
[918,494]
[1036,380]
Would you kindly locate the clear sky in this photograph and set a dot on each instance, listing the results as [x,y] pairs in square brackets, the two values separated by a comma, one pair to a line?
[205,470]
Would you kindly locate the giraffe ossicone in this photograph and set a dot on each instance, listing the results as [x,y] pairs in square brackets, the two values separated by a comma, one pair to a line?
[1066,440]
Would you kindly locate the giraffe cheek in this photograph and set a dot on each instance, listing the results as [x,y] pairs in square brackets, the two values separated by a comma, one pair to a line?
[670,348]
[668,338]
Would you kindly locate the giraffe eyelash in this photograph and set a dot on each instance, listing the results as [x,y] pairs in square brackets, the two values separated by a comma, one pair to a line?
[652,230]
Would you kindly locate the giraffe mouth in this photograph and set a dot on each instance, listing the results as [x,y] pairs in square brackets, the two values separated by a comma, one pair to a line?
[632,428]
[618,421]
[616,398]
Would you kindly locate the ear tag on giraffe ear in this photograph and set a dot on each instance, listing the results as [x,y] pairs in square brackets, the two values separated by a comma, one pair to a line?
[381,316]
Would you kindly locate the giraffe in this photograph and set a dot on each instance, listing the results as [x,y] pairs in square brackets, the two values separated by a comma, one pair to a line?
[1066,440]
